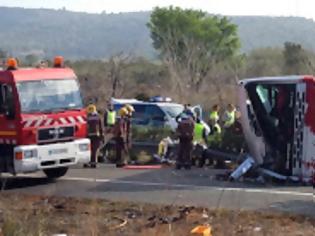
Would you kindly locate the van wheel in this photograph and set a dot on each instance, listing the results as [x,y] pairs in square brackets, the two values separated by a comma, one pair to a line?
[55,173]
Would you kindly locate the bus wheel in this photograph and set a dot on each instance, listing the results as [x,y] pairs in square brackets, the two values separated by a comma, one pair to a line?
[55,173]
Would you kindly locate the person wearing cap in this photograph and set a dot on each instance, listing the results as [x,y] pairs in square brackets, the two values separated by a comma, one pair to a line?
[95,133]
[185,132]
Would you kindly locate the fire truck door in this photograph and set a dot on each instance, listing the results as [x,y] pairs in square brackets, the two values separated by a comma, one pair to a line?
[7,115]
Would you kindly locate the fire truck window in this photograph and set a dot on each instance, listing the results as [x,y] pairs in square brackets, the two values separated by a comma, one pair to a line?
[50,95]
[6,102]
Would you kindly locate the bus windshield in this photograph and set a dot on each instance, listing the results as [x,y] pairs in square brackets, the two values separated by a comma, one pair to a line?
[49,95]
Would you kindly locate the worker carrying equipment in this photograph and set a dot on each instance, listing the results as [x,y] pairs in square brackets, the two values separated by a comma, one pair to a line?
[95,133]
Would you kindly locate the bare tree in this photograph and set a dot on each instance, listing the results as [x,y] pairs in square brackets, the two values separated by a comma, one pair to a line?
[116,65]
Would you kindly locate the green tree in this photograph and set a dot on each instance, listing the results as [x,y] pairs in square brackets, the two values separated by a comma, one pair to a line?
[192,43]
[31,60]
[264,62]
[296,59]
[3,57]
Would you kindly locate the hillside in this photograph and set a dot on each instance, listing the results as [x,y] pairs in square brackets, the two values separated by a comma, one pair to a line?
[82,35]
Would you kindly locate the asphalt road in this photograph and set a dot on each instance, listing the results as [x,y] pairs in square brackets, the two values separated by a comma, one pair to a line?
[197,187]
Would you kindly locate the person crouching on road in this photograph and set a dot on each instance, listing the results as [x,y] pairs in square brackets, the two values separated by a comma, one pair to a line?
[119,132]
[95,133]
[185,132]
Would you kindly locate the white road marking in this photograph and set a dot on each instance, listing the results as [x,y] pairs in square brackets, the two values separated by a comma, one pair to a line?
[247,190]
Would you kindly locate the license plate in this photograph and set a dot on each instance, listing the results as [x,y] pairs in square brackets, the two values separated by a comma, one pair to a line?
[58,151]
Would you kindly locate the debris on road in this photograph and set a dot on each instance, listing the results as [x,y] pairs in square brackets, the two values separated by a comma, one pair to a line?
[72,216]
[203,230]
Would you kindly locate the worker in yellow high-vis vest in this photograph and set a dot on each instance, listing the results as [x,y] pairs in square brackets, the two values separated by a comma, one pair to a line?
[216,135]
[214,115]
[109,116]
[229,116]
[199,133]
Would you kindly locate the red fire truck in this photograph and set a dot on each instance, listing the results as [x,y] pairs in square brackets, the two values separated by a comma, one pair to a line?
[42,120]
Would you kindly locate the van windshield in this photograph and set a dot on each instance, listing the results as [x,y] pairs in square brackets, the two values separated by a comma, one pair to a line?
[49,95]
[172,111]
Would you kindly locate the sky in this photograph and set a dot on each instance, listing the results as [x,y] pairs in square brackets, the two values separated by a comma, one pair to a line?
[304,8]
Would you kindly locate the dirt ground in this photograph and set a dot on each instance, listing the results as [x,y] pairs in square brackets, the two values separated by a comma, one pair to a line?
[39,215]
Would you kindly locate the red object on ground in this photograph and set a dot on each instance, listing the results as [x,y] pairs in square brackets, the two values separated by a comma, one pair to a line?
[142,167]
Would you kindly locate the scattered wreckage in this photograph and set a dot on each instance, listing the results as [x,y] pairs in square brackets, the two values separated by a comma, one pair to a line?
[278,122]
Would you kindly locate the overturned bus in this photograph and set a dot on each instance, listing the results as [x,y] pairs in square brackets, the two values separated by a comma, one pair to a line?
[278,121]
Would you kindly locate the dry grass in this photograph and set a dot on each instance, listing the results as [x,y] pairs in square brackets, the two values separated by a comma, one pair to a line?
[35,215]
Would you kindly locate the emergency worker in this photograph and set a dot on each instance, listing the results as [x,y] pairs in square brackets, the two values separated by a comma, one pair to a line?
[95,133]
[119,133]
[199,133]
[216,135]
[130,110]
[214,115]
[109,116]
[109,121]
[229,116]
[185,132]
[186,112]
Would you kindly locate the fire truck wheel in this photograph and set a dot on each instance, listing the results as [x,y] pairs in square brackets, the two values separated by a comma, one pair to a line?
[55,173]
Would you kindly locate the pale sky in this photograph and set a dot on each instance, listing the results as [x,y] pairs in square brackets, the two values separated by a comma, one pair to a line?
[304,8]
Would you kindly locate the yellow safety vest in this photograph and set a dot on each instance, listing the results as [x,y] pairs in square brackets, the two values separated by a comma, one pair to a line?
[230,118]
[218,128]
[215,137]
[198,132]
[214,116]
[111,117]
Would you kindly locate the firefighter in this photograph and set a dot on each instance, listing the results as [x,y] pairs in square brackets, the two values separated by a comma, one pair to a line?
[229,116]
[119,132]
[185,132]
[130,110]
[95,133]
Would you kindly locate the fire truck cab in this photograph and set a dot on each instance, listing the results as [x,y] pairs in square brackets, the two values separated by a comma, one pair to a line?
[42,121]
[278,120]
